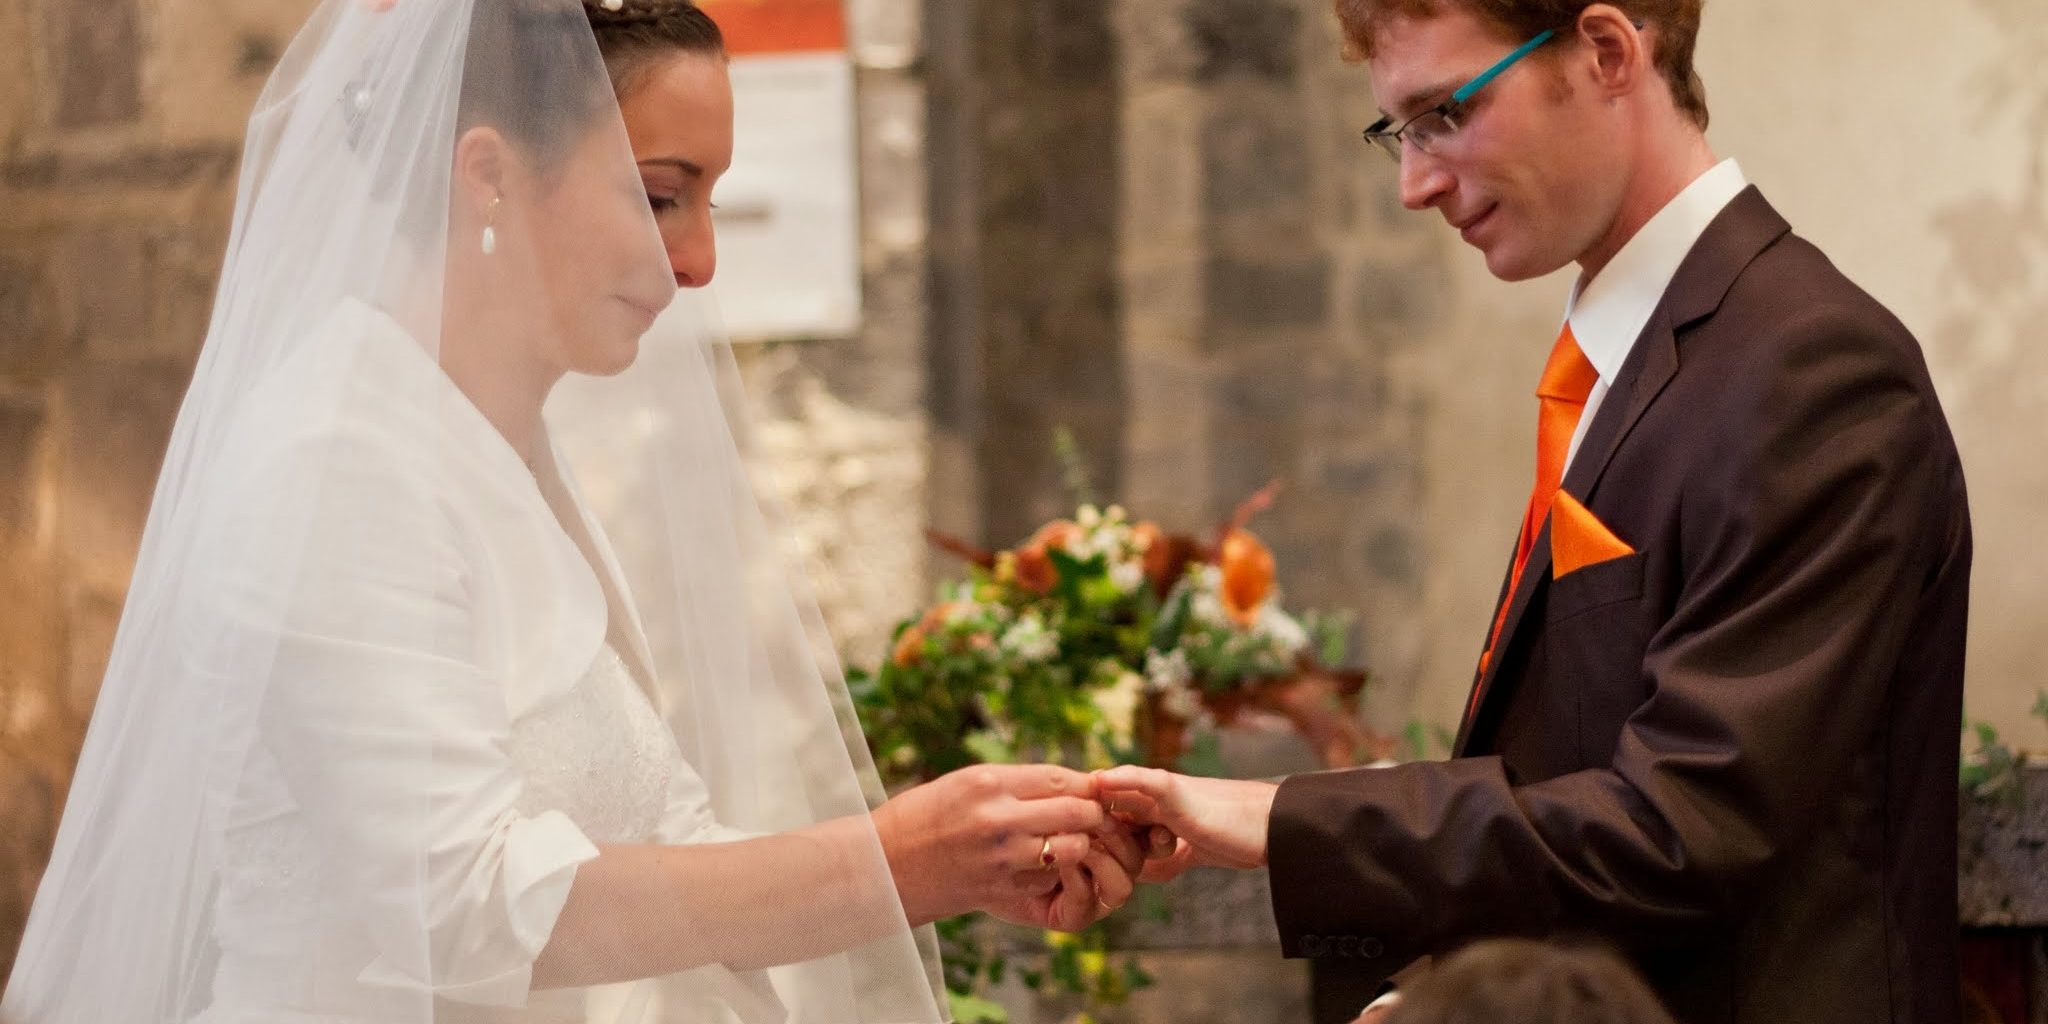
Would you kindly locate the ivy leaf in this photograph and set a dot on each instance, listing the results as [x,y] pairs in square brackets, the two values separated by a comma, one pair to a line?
[970,1009]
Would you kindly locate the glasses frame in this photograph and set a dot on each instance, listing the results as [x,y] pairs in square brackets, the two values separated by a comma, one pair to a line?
[1389,141]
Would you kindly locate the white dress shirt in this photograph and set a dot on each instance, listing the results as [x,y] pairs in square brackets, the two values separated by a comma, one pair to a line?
[1609,313]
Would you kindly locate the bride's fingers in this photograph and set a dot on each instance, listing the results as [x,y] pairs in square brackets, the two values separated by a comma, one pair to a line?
[1025,852]
[1160,841]
[1169,866]
[1034,883]
[1113,885]
[1073,905]
[1118,841]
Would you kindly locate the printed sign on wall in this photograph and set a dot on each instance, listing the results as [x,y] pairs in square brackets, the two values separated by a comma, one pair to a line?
[788,218]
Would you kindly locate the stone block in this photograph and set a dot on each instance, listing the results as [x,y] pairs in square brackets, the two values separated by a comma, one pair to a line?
[885,33]
[97,60]
[1254,38]
[1249,294]
[93,617]
[1255,160]
[30,343]
[1163,176]
[103,272]
[183,272]
[1396,304]
[21,443]
[29,805]
[2002,868]
[222,51]
[114,424]
[1158,41]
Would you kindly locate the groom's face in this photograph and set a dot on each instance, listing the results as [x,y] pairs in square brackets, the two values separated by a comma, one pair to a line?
[1532,161]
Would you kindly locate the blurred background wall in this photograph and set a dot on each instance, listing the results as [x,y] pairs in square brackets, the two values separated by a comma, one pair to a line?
[1147,220]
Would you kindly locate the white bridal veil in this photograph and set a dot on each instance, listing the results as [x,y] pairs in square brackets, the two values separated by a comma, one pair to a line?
[424,708]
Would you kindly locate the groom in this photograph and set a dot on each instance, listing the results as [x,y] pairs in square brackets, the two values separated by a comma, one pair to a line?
[1715,715]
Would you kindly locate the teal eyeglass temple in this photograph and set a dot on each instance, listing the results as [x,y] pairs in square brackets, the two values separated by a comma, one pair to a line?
[1505,62]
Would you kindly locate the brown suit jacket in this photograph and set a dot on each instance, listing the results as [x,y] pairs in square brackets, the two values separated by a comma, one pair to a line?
[1731,754]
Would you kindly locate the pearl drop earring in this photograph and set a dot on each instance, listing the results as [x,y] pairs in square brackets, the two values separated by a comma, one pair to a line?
[490,228]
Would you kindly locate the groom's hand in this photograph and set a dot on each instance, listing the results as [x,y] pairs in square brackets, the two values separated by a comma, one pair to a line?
[1220,822]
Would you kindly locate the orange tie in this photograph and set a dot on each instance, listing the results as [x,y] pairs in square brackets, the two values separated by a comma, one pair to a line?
[1567,379]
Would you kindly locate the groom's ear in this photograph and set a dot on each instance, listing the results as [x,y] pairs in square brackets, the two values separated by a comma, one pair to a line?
[480,165]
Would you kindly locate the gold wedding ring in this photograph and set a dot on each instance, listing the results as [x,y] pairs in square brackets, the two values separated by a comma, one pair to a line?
[1045,858]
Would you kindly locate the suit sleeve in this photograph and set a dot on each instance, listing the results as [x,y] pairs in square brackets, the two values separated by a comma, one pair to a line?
[1807,530]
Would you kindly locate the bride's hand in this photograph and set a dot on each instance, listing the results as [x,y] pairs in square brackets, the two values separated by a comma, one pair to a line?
[1070,897]
[979,838]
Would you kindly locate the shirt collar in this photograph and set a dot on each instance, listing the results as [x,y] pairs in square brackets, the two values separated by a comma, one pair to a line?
[1608,315]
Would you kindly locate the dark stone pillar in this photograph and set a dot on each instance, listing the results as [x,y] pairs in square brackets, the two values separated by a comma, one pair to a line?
[1025,337]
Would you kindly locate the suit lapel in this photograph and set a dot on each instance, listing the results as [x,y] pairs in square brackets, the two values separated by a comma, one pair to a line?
[1745,229]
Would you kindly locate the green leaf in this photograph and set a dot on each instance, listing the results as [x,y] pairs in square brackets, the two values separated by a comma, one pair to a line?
[1135,977]
[970,1009]
[2041,705]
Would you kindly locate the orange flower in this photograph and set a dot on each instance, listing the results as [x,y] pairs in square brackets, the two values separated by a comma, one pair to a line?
[1247,575]
[1035,571]
[910,645]
[1055,534]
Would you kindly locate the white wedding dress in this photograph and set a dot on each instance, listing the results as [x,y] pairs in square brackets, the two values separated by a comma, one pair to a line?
[514,768]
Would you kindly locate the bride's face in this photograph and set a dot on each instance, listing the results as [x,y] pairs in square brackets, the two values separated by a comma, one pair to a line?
[679,121]
[602,280]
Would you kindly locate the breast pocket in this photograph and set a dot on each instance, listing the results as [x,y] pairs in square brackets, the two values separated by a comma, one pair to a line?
[1596,636]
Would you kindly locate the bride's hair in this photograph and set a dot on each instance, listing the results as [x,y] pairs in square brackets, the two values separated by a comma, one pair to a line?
[542,98]
[640,34]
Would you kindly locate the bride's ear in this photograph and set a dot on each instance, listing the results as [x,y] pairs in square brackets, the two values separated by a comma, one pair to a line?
[480,166]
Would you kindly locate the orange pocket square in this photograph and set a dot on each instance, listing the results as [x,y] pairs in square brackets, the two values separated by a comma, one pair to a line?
[1579,539]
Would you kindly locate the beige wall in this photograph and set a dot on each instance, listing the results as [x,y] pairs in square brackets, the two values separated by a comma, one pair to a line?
[1910,142]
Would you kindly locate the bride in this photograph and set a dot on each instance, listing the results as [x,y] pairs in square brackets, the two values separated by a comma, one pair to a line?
[459,679]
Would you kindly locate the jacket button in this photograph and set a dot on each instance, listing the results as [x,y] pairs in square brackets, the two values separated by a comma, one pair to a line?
[1315,946]
[1347,945]
[1372,949]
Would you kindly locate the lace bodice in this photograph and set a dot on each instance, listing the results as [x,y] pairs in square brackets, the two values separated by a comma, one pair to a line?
[598,754]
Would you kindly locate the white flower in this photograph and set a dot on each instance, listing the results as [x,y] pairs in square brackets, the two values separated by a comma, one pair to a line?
[1164,672]
[1088,517]
[1206,608]
[1118,703]
[1128,576]
[1281,630]
[1182,702]
[1028,640]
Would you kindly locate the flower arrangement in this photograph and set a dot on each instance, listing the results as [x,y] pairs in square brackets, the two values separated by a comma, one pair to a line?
[1101,640]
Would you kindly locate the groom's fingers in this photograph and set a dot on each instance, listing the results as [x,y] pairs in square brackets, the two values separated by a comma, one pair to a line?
[1134,781]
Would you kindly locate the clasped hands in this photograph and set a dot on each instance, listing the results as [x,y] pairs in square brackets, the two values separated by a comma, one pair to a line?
[1054,848]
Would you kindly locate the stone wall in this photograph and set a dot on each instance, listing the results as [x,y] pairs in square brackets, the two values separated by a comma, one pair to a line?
[119,136]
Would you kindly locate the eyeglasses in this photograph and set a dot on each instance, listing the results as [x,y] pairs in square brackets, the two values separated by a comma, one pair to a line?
[1431,127]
